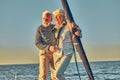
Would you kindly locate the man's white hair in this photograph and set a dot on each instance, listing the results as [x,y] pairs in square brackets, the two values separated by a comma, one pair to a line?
[46,12]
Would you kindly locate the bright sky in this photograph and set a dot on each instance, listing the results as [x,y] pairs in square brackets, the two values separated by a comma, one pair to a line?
[98,19]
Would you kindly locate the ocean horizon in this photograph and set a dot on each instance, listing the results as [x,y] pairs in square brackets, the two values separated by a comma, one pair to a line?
[102,70]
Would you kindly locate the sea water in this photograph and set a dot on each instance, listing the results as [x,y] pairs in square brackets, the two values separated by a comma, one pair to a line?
[105,70]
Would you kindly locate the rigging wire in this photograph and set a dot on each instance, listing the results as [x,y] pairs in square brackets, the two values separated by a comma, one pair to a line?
[75,58]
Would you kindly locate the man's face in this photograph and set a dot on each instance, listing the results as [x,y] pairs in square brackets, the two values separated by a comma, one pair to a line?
[47,18]
[59,19]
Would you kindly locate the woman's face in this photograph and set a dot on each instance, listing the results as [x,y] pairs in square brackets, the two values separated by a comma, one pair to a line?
[59,19]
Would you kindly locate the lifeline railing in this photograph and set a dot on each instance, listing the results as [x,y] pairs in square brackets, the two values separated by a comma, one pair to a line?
[30,77]
[18,77]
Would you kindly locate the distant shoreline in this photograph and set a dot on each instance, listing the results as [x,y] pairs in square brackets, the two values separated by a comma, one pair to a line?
[71,62]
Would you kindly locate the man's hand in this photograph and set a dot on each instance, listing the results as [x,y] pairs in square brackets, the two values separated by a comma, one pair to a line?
[52,48]
[77,33]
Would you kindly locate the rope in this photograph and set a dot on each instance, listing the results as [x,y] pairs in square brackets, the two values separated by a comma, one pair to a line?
[76,64]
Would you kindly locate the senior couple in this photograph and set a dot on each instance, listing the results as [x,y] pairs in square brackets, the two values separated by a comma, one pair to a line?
[55,44]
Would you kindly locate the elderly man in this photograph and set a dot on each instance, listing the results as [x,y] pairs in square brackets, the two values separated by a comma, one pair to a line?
[46,42]
[64,42]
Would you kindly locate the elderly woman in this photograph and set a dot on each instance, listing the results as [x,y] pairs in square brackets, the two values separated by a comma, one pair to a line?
[64,42]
